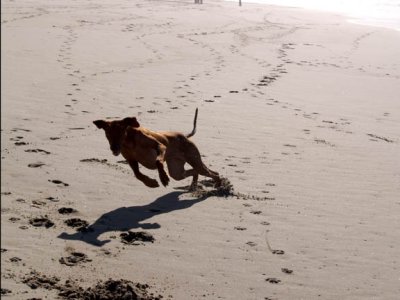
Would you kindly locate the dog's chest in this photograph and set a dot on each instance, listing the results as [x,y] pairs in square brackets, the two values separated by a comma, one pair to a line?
[145,156]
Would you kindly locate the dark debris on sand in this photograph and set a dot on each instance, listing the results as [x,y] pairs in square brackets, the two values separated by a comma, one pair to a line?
[224,190]
[36,280]
[103,290]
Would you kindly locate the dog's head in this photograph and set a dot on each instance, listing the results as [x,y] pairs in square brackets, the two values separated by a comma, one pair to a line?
[115,131]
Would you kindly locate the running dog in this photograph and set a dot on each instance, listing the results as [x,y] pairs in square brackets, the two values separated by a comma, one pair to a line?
[139,145]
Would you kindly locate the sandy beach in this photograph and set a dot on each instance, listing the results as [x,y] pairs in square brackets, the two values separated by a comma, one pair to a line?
[299,110]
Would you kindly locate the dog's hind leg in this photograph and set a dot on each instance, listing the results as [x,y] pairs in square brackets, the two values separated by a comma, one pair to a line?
[200,168]
[177,171]
[193,158]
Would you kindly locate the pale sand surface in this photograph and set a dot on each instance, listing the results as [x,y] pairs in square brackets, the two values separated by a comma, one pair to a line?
[316,143]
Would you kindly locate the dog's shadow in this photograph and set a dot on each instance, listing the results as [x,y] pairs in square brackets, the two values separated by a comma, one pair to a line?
[127,218]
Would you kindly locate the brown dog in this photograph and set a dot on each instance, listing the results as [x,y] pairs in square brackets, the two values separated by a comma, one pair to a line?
[149,148]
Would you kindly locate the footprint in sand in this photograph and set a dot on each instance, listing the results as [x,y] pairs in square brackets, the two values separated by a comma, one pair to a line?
[134,238]
[20,143]
[36,165]
[56,181]
[66,210]
[273,280]
[3,290]
[240,228]
[251,244]
[37,151]
[287,271]
[41,222]
[52,199]
[74,259]
[79,224]
[38,203]
[15,259]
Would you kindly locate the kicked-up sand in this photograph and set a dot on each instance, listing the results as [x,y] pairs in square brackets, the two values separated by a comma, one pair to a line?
[299,110]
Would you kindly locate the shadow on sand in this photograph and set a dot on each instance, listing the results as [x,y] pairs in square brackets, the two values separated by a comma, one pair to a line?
[127,218]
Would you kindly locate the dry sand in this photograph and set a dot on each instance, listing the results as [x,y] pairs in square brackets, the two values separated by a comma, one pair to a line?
[300,110]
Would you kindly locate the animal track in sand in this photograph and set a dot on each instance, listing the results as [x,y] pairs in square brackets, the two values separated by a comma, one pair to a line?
[251,244]
[17,138]
[287,271]
[37,151]
[41,222]
[134,238]
[38,203]
[20,129]
[322,141]
[15,259]
[66,210]
[273,280]
[59,182]
[74,259]
[14,219]
[20,143]
[52,199]
[3,290]
[380,138]
[240,228]
[36,165]
[79,224]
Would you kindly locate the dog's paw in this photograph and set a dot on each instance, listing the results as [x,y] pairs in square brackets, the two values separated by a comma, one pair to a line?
[218,183]
[164,179]
[152,183]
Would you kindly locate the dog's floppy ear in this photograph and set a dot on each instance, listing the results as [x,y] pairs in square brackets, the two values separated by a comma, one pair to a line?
[100,124]
[131,122]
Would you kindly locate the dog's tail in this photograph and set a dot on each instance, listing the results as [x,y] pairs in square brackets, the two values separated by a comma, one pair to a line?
[194,125]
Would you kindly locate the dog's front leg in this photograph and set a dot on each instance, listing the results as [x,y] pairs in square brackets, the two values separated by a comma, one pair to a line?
[143,178]
[160,164]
